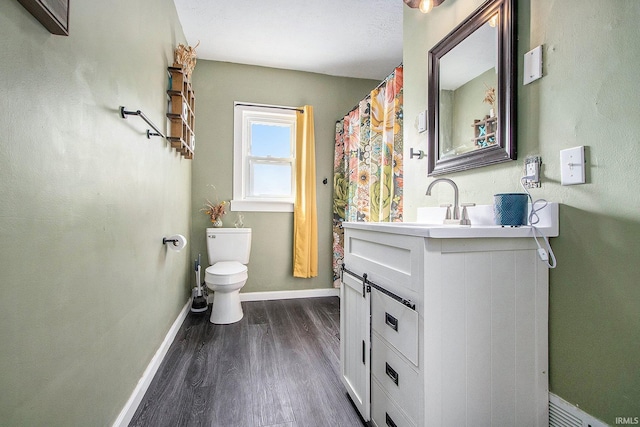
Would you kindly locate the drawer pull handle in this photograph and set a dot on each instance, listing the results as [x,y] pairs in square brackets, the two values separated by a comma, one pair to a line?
[389,421]
[391,373]
[391,321]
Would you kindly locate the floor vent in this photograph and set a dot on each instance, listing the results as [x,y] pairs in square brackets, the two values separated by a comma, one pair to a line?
[559,417]
[564,414]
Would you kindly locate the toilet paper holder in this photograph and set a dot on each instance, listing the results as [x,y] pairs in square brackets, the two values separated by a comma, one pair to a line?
[174,241]
[177,242]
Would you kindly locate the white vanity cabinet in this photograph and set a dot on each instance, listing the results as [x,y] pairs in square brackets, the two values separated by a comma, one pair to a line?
[355,331]
[458,329]
[393,265]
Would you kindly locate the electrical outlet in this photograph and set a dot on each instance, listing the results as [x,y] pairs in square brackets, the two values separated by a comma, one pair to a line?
[532,169]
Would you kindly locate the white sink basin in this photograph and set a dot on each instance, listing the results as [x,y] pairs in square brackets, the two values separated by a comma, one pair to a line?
[430,224]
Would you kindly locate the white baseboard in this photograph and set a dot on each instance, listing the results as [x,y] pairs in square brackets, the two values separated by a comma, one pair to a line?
[303,293]
[143,384]
[563,413]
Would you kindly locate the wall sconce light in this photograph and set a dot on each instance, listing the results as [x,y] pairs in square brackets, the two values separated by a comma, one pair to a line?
[425,6]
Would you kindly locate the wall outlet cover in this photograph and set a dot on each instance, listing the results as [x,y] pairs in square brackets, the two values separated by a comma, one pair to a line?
[532,166]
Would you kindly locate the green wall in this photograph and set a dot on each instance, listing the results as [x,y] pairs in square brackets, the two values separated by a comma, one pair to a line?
[588,96]
[468,106]
[88,291]
[217,85]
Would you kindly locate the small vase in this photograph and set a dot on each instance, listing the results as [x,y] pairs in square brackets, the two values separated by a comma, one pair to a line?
[492,112]
[217,223]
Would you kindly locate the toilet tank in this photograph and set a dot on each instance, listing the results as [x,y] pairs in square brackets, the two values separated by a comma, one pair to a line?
[228,244]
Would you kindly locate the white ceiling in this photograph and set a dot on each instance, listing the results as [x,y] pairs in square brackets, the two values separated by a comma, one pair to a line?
[350,38]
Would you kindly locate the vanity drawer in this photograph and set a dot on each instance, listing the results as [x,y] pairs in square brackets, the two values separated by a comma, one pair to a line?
[396,376]
[384,412]
[396,323]
[390,260]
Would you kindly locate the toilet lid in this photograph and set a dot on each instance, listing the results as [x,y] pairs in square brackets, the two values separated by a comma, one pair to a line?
[226,268]
[225,273]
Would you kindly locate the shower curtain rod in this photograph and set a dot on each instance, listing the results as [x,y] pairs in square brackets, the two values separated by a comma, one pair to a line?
[270,106]
[377,87]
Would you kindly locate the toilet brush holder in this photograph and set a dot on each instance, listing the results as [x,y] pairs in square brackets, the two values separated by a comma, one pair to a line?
[198,298]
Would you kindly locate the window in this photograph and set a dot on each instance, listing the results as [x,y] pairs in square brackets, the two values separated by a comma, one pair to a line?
[264,158]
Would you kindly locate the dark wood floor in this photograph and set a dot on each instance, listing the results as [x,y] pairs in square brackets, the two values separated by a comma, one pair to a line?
[279,366]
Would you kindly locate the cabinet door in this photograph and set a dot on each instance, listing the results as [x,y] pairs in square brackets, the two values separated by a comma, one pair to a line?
[355,344]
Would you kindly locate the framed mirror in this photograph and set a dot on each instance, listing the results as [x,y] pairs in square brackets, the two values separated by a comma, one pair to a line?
[471,98]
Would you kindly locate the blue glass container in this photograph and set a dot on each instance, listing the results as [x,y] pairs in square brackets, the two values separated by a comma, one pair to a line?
[510,209]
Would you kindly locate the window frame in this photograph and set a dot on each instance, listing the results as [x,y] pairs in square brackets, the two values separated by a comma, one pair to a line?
[246,114]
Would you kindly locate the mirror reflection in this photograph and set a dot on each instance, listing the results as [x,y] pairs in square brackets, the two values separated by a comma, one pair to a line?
[468,85]
[471,92]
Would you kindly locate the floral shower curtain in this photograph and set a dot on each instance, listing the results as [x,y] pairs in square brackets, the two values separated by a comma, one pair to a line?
[367,178]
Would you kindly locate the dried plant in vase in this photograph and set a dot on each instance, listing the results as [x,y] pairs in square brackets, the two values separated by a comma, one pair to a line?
[215,211]
[490,98]
[185,56]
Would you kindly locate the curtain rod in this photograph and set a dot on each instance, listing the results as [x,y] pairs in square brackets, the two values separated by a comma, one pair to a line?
[377,87]
[270,106]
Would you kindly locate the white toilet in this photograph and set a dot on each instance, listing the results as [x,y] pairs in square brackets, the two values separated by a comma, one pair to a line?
[228,250]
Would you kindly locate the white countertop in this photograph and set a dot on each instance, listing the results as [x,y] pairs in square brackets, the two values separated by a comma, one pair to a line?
[430,225]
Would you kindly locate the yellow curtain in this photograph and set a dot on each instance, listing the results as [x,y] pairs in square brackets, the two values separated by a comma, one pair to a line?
[305,221]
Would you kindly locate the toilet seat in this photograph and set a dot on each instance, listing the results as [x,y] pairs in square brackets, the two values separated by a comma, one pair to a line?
[225,273]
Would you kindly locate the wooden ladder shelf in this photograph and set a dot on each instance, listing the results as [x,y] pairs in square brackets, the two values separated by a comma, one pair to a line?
[182,105]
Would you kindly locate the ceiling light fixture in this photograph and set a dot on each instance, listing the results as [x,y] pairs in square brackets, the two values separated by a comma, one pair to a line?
[425,6]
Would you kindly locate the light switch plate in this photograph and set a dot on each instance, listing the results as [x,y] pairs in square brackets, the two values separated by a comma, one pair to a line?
[572,166]
[532,65]
[422,121]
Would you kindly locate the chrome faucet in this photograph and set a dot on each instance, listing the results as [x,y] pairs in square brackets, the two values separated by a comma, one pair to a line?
[456,211]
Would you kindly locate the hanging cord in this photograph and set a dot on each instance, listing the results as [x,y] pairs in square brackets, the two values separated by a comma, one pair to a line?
[544,254]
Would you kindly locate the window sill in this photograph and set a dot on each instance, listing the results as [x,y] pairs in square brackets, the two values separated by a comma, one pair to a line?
[261,206]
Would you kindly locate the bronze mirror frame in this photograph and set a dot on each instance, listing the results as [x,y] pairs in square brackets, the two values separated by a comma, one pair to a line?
[505,149]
